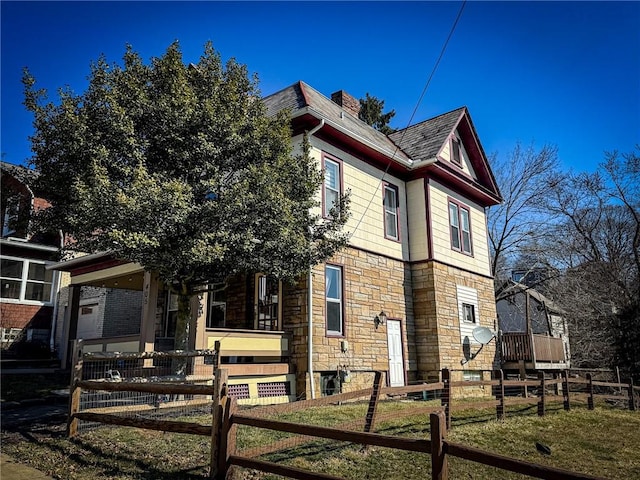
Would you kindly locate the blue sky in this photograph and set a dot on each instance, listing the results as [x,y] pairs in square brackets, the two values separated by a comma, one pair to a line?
[565,73]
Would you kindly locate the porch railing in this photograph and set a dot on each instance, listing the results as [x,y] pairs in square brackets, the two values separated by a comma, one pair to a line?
[532,348]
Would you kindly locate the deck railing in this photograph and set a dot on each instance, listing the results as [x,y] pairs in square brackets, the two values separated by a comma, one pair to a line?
[531,347]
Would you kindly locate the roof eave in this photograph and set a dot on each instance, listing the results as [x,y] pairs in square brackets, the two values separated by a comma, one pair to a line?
[387,153]
[68,265]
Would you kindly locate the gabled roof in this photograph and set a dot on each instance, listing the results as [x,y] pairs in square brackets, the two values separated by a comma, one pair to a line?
[409,153]
[424,140]
[515,287]
[22,174]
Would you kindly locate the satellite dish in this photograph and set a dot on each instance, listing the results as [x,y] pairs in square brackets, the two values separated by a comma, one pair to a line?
[483,335]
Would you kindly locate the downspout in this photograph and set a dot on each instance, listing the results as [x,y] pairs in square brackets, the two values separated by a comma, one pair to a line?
[312,383]
[56,305]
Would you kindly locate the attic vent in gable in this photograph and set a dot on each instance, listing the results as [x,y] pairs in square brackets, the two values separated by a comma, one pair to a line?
[347,102]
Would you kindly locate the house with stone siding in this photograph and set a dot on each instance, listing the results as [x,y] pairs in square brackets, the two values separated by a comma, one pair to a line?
[28,291]
[403,297]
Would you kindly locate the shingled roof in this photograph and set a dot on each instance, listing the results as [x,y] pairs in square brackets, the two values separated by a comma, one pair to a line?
[424,140]
[301,96]
[20,173]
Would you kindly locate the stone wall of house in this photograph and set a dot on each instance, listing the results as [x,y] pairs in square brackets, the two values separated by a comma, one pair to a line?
[371,284]
[437,319]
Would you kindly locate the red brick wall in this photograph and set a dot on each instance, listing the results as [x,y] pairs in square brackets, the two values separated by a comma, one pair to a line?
[16,315]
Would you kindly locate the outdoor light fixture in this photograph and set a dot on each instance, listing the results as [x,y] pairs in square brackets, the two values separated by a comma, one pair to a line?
[380,319]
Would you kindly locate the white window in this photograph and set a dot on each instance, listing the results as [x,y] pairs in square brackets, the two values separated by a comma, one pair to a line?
[471,376]
[333,295]
[460,227]
[25,280]
[10,335]
[391,212]
[267,305]
[9,219]
[469,313]
[217,309]
[331,186]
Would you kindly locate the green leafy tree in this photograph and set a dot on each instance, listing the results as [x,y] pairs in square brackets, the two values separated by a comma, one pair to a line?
[179,169]
[371,113]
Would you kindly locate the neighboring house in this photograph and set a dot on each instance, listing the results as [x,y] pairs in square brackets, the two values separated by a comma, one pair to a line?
[28,291]
[418,252]
[533,329]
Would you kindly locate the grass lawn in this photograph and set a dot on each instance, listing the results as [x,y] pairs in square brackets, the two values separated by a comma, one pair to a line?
[602,442]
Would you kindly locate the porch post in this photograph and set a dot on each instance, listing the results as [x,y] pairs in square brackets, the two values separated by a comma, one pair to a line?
[148,315]
[70,325]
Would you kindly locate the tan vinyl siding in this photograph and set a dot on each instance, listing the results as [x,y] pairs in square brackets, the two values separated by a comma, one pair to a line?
[366,207]
[479,261]
[445,154]
[417,210]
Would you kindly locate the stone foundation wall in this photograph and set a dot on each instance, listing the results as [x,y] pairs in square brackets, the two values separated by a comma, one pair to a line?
[371,284]
[438,339]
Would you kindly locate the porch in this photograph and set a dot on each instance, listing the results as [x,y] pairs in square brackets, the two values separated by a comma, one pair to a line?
[532,351]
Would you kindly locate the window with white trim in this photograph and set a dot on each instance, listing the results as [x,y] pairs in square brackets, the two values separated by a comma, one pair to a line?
[331,186]
[391,227]
[460,228]
[217,309]
[9,220]
[25,280]
[333,296]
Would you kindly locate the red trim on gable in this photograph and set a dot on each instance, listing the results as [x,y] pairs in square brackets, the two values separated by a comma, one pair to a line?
[103,265]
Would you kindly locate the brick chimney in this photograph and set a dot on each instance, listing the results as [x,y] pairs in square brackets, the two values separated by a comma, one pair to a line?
[347,102]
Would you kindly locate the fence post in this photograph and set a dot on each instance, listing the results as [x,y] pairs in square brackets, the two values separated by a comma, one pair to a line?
[227,437]
[543,394]
[219,391]
[500,405]
[439,470]
[590,403]
[632,400]
[370,419]
[216,358]
[445,400]
[74,390]
[565,390]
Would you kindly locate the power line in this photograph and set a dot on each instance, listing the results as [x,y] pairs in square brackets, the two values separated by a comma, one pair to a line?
[424,91]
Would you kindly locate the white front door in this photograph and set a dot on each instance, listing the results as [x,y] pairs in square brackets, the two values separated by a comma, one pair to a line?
[396,363]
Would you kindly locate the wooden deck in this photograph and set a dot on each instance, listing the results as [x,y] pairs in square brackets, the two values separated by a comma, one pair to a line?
[538,352]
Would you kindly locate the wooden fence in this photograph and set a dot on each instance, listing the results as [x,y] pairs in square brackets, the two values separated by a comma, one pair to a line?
[226,417]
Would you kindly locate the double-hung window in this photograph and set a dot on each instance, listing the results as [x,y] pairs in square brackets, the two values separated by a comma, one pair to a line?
[333,296]
[217,309]
[331,186]
[25,280]
[460,228]
[391,229]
